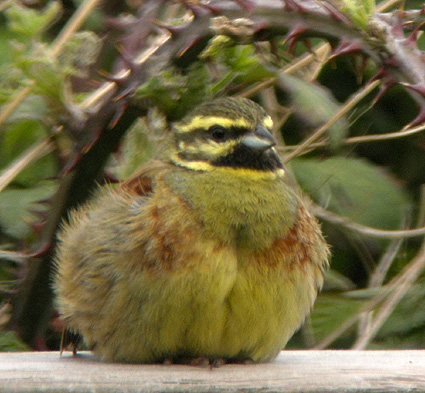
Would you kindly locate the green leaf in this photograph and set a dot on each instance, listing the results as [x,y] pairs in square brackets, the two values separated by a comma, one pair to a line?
[408,315]
[136,149]
[9,342]
[40,67]
[79,53]
[16,204]
[315,105]
[33,108]
[331,311]
[353,188]
[338,281]
[20,136]
[359,11]
[28,22]
[176,93]
[241,61]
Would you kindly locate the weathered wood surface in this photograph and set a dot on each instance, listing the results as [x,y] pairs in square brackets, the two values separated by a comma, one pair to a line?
[293,371]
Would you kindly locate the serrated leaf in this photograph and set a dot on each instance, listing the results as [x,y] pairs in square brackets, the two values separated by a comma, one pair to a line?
[15,206]
[353,188]
[30,22]
[176,93]
[79,53]
[245,63]
[45,71]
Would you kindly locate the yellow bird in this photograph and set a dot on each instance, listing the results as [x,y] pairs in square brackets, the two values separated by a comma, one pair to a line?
[208,253]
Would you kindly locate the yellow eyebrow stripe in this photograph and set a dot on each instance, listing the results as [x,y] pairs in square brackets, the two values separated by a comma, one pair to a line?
[208,121]
[268,122]
[211,149]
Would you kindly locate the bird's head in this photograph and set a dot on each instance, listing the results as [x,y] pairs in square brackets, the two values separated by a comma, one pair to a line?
[229,133]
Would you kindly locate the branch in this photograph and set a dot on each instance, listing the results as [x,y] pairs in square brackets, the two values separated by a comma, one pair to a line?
[328,216]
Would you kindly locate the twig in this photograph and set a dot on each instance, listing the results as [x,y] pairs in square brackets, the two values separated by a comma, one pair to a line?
[364,230]
[18,100]
[340,113]
[73,25]
[375,281]
[404,132]
[380,272]
[400,286]
[321,52]
[387,4]
[14,256]
[40,149]
[404,279]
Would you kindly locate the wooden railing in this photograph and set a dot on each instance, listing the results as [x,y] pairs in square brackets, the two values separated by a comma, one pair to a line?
[292,371]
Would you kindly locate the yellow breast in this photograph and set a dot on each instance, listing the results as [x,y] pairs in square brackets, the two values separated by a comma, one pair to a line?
[174,290]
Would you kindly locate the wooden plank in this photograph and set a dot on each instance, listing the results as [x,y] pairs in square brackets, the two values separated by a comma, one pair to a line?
[292,371]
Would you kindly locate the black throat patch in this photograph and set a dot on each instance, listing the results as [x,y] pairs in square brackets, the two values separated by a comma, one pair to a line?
[245,157]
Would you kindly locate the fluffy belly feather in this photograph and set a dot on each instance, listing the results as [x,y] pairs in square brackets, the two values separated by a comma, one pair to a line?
[224,311]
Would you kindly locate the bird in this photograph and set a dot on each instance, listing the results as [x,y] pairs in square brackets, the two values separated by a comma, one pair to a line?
[208,253]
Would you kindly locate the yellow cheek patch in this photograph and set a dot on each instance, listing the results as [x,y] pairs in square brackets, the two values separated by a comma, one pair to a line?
[209,121]
[194,165]
[208,149]
[242,172]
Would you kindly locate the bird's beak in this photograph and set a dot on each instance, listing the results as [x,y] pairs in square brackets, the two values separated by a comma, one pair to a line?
[259,139]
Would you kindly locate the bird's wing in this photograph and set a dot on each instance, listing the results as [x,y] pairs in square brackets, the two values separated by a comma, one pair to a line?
[142,182]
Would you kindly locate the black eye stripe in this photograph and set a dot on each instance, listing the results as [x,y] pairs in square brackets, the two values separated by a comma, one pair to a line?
[238,131]
[218,133]
[215,132]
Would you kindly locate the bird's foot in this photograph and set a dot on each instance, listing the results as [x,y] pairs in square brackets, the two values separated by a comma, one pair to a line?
[240,361]
[201,361]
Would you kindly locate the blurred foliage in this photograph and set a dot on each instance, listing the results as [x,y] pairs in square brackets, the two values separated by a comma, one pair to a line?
[62,138]
[342,184]
[10,342]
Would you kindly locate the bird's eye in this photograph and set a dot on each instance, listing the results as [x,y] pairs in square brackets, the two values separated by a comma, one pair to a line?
[218,133]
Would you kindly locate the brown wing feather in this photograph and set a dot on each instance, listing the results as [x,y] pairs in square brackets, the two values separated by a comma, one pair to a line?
[302,245]
[142,183]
